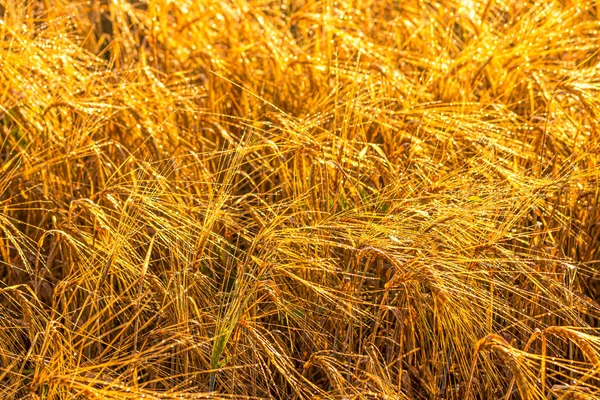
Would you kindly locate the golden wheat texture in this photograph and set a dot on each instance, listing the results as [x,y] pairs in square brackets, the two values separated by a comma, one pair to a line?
[299,199]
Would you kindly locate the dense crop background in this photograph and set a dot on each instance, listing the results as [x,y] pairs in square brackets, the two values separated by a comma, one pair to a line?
[352,199]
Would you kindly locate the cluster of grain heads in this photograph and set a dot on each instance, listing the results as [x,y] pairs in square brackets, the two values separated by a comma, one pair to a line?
[299,199]
[546,371]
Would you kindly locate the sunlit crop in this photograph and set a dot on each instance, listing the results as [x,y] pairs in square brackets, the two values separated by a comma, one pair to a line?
[349,199]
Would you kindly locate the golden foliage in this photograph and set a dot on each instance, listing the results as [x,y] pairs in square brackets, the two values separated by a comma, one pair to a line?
[299,199]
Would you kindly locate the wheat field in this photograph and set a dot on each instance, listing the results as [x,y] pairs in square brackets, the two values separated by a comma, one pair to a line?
[299,199]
